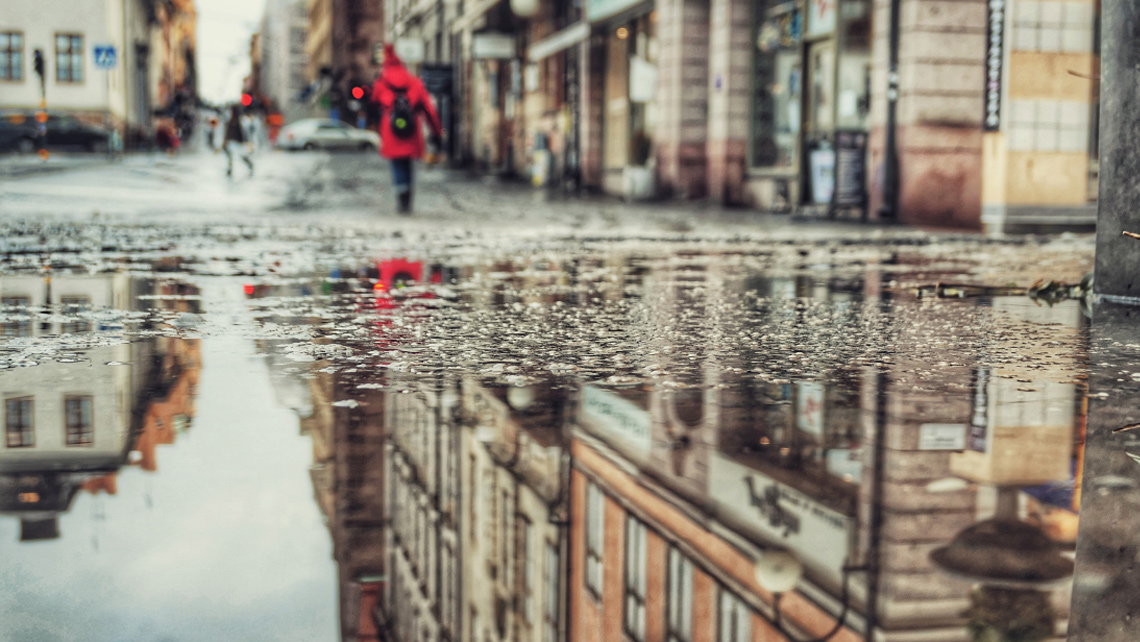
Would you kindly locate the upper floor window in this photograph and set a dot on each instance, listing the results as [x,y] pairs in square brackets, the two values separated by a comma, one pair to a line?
[68,57]
[11,55]
[19,422]
[595,538]
[80,431]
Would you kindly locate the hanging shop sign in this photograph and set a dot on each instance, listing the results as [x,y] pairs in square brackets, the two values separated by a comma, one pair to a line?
[564,39]
[492,46]
[410,50]
[995,37]
[821,17]
[602,9]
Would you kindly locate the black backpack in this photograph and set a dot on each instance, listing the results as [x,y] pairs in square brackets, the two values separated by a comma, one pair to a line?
[402,117]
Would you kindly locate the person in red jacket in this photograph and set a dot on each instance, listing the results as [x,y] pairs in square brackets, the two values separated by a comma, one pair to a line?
[402,99]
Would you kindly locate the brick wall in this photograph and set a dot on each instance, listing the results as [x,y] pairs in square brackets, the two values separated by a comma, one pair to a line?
[682,96]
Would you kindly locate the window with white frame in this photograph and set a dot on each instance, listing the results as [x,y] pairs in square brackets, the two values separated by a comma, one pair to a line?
[679,610]
[550,601]
[11,55]
[595,536]
[528,561]
[635,580]
[68,57]
[735,619]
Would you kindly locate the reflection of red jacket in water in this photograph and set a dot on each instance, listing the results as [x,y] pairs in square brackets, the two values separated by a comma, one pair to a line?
[396,77]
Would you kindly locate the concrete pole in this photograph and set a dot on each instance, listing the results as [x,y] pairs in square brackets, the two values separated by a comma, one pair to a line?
[1118,255]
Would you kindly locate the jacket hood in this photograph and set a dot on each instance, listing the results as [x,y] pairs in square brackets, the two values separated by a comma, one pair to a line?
[394,72]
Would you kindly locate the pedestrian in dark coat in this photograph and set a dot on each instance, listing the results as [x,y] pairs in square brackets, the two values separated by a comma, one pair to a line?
[236,137]
[402,100]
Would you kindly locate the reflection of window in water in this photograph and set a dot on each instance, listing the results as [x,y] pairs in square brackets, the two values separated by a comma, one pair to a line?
[19,422]
[13,306]
[80,431]
[635,580]
[679,596]
[73,306]
[735,619]
[550,611]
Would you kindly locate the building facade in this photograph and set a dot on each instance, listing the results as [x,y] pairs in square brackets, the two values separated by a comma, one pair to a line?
[281,78]
[154,60]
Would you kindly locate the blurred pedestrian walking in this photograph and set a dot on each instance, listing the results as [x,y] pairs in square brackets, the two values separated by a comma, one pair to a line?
[402,98]
[236,137]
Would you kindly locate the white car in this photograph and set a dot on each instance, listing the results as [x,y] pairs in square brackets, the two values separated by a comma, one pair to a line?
[322,133]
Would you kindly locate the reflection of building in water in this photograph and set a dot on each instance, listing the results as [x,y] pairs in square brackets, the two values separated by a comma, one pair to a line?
[514,512]
[347,473]
[853,475]
[422,597]
[70,427]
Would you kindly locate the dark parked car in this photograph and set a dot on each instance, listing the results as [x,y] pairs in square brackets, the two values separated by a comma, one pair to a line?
[64,132]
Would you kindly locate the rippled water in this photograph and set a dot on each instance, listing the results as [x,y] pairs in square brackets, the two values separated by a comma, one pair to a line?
[544,440]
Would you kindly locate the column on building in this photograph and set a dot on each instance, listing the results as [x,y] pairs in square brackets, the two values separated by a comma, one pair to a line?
[940,109]
[728,85]
[1040,147]
[683,84]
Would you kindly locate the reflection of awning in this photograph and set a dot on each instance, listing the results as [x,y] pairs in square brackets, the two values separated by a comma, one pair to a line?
[472,13]
[564,39]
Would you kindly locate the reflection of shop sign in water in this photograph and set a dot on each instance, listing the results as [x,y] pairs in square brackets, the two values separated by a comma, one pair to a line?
[816,534]
[995,34]
[809,407]
[615,417]
[599,9]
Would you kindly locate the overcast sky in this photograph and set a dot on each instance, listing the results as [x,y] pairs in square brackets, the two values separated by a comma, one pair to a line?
[224,28]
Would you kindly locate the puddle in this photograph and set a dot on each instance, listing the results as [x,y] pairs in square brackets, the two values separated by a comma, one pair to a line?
[555,441]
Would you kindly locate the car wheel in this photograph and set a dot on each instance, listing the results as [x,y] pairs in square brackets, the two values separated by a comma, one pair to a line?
[310,146]
[26,146]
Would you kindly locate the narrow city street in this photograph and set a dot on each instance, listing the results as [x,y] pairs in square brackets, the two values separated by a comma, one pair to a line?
[269,407]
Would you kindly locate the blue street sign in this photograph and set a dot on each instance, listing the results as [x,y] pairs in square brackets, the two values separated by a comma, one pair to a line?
[105,57]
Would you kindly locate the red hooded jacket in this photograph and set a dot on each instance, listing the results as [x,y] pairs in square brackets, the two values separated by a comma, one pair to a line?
[396,77]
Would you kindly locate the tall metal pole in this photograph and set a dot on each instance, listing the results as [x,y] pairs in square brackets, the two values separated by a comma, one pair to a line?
[889,209]
[1117,255]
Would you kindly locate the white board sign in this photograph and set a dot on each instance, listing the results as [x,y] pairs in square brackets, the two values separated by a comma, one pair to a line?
[818,535]
[486,46]
[410,50]
[809,407]
[616,418]
[942,437]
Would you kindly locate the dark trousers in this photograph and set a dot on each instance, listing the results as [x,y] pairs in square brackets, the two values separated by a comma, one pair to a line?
[402,174]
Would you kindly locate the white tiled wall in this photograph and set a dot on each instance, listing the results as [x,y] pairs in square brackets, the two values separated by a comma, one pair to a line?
[1052,26]
[1048,126]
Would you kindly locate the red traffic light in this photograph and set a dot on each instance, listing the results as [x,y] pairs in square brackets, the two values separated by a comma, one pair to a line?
[358,92]
[246,100]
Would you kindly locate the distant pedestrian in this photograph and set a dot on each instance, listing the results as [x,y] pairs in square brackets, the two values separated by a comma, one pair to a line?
[212,133]
[402,98]
[236,137]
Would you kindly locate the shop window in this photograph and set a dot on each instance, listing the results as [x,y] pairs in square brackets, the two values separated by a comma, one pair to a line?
[20,423]
[68,58]
[11,56]
[776,87]
[77,410]
[635,579]
[679,620]
[735,619]
[595,536]
[630,93]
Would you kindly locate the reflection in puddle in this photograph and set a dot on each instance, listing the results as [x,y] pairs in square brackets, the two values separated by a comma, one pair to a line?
[689,447]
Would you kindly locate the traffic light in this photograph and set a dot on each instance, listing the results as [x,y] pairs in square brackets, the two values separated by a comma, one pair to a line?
[38,62]
[246,100]
[358,92]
